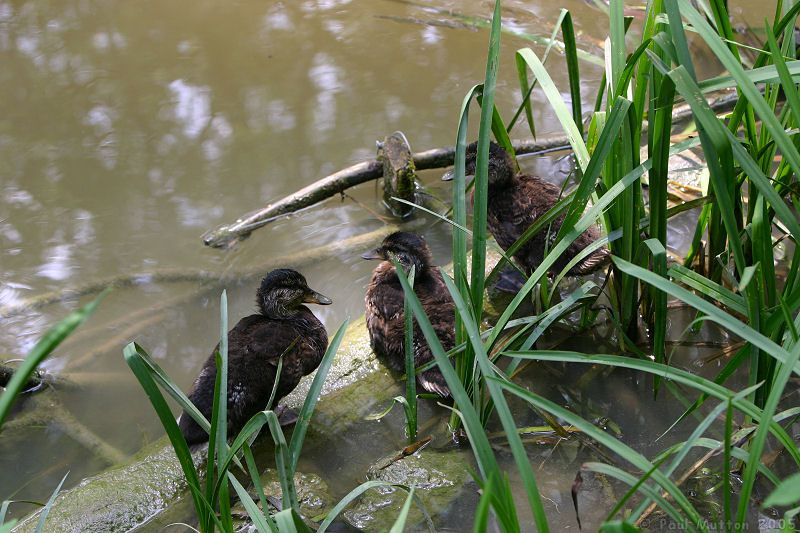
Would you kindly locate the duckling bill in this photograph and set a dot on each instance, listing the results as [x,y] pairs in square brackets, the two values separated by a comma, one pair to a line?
[384,307]
[515,201]
[284,327]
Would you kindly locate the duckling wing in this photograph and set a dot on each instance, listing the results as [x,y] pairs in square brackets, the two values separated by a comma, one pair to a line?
[439,306]
[385,300]
[384,314]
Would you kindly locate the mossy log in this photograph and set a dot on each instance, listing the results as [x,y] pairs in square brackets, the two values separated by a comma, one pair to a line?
[399,176]
[126,496]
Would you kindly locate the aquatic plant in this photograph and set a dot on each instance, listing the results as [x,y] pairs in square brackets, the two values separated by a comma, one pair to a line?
[751,180]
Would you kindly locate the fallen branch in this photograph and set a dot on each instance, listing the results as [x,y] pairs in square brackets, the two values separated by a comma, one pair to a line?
[228,235]
[49,411]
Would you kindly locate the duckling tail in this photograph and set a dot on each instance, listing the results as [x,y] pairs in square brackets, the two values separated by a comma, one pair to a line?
[599,259]
[433,381]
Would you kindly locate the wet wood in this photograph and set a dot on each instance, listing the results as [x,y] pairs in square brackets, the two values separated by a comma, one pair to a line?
[46,410]
[399,176]
[229,235]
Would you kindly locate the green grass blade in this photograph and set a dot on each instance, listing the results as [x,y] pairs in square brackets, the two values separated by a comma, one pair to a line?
[705,286]
[573,69]
[259,518]
[555,312]
[785,494]
[460,218]
[767,74]
[557,103]
[785,76]
[4,510]
[41,350]
[400,523]
[760,439]
[278,371]
[472,422]
[49,505]
[503,411]
[411,377]
[251,428]
[481,519]
[218,439]
[617,39]
[526,89]
[283,463]
[712,312]
[481,166]
[254,471]
[141,370]
[304,417]
[288,521]
[698,383]
[628,454]
[164,381]
[659,256]
[351,496]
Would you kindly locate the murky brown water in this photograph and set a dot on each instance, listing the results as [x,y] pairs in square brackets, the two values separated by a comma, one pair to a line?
[128,129]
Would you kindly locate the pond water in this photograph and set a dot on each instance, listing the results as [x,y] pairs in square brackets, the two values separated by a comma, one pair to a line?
[129,129]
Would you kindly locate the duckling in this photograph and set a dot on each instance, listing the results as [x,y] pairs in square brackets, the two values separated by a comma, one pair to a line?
[283,326]
[384,303]
[515,201]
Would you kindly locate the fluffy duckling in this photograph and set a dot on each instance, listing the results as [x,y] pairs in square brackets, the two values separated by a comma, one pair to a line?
[384,303]
[515,201]
[255,345]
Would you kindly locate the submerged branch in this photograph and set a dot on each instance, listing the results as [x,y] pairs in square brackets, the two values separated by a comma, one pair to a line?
[228,235]
[171,275]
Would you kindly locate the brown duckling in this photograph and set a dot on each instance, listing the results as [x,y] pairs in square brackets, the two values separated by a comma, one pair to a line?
[255,345]
[515,201]
[384,303]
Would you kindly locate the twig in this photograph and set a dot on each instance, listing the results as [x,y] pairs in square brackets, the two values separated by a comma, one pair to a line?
[49,410]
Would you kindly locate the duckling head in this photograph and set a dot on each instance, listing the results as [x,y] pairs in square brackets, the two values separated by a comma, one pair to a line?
[409,249]
[284,291]
[500,169]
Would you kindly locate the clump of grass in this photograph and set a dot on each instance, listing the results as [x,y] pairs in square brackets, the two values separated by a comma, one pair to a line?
[747,202]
